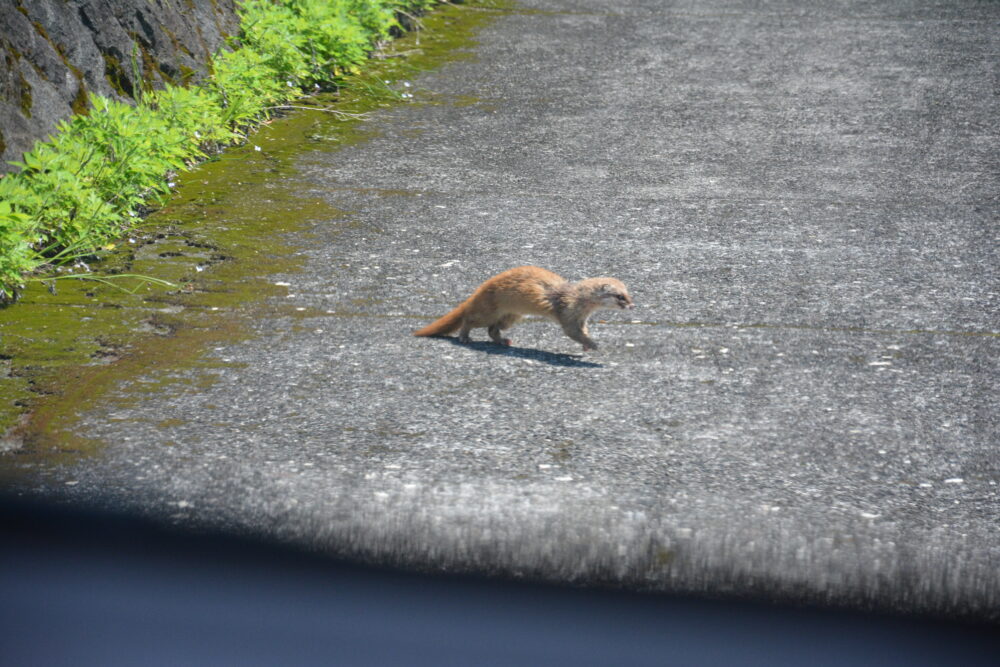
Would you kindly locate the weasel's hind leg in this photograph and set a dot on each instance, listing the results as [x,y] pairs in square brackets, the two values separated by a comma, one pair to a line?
[463,334]
[505,322]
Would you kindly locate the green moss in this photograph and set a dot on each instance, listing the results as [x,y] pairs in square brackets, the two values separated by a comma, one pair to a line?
[26,101]
[187,74]
[79,104]
[79,77]
[12,59]
[40,29]
[116,75]
[179,45]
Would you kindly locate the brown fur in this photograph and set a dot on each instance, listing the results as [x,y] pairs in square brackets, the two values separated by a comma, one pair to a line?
[505,298]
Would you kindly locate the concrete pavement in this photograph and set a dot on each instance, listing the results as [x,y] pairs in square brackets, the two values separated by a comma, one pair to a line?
[803,201]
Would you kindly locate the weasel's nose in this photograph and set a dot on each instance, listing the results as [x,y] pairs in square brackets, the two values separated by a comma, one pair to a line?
[630,306]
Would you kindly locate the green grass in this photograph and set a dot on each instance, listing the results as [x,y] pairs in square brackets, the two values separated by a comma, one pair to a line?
[94,178]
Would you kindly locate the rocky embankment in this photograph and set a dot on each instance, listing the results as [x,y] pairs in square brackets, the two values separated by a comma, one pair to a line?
[56,52]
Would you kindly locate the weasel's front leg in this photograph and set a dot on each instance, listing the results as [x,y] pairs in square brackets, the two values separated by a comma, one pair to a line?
[578,332]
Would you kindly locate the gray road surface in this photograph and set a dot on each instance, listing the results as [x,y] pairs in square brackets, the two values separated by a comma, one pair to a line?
[803,200]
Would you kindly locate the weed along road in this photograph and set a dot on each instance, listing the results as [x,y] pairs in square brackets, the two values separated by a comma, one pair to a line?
[802,201]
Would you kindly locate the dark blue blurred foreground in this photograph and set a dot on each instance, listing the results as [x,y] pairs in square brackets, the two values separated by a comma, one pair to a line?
[82,588]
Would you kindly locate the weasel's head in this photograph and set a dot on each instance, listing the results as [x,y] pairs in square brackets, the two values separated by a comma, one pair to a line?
[610,294]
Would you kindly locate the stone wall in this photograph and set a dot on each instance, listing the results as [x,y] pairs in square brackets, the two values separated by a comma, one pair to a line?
[53,53]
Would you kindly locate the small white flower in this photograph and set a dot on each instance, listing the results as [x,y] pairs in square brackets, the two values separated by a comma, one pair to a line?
[406,84]
[256,148]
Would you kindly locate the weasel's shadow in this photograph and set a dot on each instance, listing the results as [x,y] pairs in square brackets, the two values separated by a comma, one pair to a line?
[551,358]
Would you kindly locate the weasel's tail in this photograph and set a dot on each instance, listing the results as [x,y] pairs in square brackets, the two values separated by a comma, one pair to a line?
[444,326]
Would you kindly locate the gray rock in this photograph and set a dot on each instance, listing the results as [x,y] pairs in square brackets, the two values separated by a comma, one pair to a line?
[55,53]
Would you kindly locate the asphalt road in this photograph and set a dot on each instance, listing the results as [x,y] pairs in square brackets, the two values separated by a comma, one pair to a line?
[803,201]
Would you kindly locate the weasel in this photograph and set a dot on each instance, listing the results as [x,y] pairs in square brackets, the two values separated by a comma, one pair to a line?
[529,290]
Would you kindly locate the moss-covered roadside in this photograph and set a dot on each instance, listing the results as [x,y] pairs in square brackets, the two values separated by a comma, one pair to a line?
[220,235]
[93,177]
